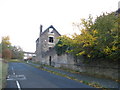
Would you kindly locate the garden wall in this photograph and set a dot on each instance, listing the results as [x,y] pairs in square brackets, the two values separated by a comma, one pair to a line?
[100,68]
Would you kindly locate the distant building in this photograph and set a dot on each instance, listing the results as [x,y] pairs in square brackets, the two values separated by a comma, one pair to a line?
[46,41]
[29,55]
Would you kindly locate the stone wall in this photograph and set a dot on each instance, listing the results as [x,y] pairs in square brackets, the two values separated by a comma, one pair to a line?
[68,61]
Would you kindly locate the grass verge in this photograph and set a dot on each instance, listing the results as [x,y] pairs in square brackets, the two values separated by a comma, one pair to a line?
[93,84]
[16,60]
[92,74]
[3,73]
[82,73]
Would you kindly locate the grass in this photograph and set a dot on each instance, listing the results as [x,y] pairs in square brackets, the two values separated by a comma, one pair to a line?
[16,60]
[94,84]
[3,73]
[92,74]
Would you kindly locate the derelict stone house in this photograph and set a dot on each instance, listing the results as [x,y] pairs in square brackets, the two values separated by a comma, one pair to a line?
[46,41]
[46,54]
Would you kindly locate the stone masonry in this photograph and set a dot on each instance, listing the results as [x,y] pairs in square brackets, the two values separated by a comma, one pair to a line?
[46,41]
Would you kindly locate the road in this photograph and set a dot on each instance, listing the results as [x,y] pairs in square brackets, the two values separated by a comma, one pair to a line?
[21,75]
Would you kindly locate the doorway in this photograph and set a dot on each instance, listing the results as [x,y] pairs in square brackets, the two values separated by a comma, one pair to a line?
[50,60]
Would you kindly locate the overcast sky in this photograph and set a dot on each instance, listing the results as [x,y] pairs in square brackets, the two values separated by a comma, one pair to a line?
[21,19]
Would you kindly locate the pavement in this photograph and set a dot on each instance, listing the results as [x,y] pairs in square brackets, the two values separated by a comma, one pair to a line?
[21,75]
[107,83]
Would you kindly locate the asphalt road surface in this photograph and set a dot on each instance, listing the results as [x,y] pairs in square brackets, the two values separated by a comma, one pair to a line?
[22,75]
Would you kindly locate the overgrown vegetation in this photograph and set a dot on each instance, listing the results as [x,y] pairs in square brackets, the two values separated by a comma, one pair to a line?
[98,39]
[61,49]
[10,52]
[3,74]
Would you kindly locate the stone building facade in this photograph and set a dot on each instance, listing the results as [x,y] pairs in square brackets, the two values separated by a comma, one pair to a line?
[46,41]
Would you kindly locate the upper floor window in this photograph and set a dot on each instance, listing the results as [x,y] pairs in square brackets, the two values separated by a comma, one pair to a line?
[51,39]
[50,30]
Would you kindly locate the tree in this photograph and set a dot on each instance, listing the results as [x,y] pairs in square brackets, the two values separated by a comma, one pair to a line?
[5,42]
[107,41]
[98,39]
[81,44]
[17,52]
[6,52]
[9,51]
[61,49]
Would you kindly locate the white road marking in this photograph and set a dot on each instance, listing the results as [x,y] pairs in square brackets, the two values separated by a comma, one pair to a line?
[13,71]
[8,76]
[12,68]
[18,85]
[9,79]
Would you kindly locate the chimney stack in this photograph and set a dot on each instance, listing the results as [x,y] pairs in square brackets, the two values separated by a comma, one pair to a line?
[41,29]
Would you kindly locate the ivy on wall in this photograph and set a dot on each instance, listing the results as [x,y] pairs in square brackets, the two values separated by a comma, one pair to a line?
[60,49]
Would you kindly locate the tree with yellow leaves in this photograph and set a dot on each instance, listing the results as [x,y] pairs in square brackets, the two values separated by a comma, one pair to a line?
[98,39]
[6,52]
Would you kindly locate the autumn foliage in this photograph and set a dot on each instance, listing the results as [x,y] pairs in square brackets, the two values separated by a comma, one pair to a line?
[8,51]
[7,54]
[98,39]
